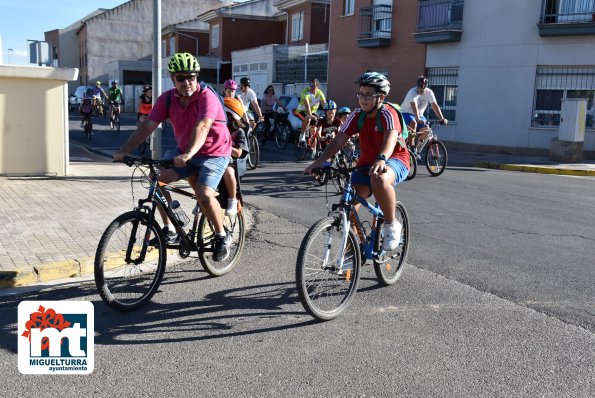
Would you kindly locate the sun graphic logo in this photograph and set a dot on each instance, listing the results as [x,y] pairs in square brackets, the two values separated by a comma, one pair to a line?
[56,337]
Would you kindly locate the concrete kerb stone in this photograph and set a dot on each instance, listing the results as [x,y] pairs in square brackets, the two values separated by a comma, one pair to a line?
[535,169]
[67,269]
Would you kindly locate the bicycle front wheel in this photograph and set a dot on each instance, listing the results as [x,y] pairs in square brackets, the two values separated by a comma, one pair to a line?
[234,226]
[282,134]
[117,122]
[301,148]
[436,158]
[389,266]
[412,166]
[127,274]
[254,154]
[325,289]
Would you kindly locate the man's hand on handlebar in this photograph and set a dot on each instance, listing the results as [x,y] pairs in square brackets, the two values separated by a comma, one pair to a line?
[120,155]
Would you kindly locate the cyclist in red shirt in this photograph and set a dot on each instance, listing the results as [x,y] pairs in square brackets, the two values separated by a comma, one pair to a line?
[385,152]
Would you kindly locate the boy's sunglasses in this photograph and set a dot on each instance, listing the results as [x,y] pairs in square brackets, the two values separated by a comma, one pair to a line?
[182,78]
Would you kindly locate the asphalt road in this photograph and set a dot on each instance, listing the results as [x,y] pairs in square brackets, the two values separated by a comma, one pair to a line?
[497,300]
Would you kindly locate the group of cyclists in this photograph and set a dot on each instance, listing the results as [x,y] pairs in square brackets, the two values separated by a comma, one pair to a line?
[208,133]
[95,104]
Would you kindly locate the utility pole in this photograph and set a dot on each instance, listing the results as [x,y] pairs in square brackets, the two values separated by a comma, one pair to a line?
[156,136]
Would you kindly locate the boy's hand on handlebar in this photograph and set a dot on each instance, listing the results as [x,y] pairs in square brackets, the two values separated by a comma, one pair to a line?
[378,168]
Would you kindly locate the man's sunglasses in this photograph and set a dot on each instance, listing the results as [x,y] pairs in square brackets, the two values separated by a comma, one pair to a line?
[182,78]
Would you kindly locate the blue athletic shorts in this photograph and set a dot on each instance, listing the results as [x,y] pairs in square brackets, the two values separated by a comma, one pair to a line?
[409,118]
[210,169]
[396,165]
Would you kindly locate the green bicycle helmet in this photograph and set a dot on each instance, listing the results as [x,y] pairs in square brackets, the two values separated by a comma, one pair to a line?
[376,80]
[183,62]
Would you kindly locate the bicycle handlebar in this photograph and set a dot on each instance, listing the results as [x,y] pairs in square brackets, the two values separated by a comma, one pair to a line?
[131,161]
[343,170]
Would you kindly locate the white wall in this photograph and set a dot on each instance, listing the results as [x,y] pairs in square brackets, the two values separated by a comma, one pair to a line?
[497,58]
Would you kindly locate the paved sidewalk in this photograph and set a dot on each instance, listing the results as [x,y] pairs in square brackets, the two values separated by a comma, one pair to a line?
[50,227]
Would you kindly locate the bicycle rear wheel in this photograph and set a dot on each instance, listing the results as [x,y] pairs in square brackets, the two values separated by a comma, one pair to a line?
[282,134]
[260,132]
[118,121]
[436,158]
[234,226]
[324,290]
[254,154]
[88,129]
[389,266]
[412,166]
[127,278]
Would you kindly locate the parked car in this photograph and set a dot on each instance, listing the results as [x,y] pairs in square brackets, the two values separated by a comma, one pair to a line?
[75,100]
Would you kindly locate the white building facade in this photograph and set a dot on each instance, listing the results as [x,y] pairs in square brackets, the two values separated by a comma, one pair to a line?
[503,83]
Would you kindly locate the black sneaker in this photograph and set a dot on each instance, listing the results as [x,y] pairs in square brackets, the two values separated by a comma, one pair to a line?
[221,249]
[171,237]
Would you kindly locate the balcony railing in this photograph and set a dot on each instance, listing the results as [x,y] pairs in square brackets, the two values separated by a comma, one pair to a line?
[439,21]
[567,18]
[375,25]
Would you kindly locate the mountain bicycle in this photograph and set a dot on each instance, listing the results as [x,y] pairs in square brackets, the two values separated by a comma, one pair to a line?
[435,155]
[334,249]
[280,128]
[304,141]
[253,149]
[87,125]
[132,253]
[114,122]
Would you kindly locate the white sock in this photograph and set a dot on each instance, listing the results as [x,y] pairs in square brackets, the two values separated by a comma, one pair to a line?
[170,227]
[222,234]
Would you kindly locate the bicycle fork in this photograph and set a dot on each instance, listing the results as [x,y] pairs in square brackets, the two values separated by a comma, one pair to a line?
[341,265]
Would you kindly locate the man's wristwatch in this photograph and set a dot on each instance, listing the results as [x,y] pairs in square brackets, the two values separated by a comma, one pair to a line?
[381,157]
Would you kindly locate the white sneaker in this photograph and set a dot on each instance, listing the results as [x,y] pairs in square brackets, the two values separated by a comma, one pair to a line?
[302,137]
[232,207]
[392,235]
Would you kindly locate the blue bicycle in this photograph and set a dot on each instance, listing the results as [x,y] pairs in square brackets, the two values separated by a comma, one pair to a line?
[335,248]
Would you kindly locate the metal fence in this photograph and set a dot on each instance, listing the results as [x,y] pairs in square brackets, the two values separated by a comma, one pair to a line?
[440,15]
[555,83]
[301,63]
[567,11]
[375,21]
[444,84]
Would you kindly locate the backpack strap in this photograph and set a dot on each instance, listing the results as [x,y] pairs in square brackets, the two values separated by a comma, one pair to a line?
[380,127]
[202,86]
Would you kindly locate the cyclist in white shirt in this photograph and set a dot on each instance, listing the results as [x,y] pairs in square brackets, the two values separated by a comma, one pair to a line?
[414,106]
[248,97]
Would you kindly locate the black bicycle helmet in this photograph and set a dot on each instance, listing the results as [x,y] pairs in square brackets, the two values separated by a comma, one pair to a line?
[183,62]
[422,82]
[376,80]
[244,81]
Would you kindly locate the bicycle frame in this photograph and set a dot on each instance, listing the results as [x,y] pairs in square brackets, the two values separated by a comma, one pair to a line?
[350,218]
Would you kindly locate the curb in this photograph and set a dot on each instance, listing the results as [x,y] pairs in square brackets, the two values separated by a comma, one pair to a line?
[535,169]
[71,269]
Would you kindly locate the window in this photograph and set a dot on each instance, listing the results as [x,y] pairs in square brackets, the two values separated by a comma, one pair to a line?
[576,10]
[443,82]
[297,26]
[172,45]
[215,36]
[349,7]
[555,83]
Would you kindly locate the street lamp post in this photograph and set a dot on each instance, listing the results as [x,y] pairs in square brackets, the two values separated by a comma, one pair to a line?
[10,50]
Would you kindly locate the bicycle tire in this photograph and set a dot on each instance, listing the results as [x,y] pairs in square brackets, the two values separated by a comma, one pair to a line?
[328,304]
[118,122]
[389,270]
[412,166]
[254,154]
[301,148]
[436,158]
[88,130]
[259,132]
[127,286]
[282,134]
[237,228]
